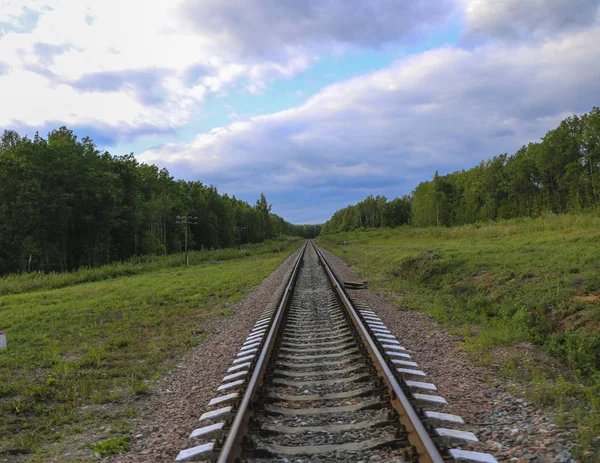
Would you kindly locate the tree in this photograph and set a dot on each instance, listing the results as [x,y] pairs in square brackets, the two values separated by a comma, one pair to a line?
[64,204]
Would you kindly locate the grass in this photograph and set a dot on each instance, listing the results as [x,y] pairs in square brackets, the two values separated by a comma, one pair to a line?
[34,281]
[503,286]
[79,351]
[111,446]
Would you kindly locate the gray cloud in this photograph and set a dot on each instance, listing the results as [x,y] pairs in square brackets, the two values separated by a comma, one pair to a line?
[519,19]
[41,71]
[146,84]
[268,27]
[195,72]
[383,133]
[4,68]
[103,134]
[45,52]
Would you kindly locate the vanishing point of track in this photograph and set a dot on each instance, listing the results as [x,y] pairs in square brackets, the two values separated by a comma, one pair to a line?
[321,379]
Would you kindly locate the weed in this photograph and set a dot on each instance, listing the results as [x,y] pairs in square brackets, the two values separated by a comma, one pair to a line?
[139,387]
[111,446]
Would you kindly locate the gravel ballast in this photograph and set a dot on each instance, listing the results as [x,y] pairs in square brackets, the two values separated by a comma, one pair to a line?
[171,412]
[312,404]
[510,427]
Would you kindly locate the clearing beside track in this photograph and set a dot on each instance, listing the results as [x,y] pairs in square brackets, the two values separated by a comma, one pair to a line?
[82,346]
[515,291]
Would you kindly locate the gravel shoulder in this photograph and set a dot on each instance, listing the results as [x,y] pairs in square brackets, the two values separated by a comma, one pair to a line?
[170,413]
[509,426]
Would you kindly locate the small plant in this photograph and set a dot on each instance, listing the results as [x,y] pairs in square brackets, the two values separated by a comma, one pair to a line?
[111,446]
[139,387]
[116,344]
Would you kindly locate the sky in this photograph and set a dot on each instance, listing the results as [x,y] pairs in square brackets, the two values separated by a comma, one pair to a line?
[316,103]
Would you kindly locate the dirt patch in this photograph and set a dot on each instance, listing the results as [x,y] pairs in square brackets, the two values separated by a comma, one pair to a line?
[524,356]
[415,265]
[589,299]
[485,280]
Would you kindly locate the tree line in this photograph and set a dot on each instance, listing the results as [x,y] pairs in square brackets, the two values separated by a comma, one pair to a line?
[559,174]
[65,204]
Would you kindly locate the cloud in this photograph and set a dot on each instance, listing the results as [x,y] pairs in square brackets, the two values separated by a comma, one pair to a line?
[102,134]
[145,84]
[39,70]
[46,52]
[15,16]
[528,64]
[443,109]
[195,72]
[520,19]
[79,57]
[89,18]
[268,28]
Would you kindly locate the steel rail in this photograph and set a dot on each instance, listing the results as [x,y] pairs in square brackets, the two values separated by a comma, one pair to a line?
[417,434]
[232,446]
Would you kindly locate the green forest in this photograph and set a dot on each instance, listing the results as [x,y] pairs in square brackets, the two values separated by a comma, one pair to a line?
[559,174]
[65,204]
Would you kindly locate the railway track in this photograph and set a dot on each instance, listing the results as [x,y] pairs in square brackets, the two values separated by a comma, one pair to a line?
[320,379]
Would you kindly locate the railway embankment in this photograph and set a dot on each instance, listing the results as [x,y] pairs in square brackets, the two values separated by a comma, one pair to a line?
[517,299]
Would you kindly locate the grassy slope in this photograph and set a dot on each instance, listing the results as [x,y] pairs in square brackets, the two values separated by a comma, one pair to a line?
[74,347]
[512,283]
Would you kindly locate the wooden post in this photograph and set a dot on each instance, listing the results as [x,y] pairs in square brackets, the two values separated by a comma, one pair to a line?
[186,221]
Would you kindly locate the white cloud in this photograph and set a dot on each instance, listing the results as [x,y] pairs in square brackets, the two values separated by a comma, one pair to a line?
[83,64]
[444,109]
[522,19]
[149,69]
[134,63]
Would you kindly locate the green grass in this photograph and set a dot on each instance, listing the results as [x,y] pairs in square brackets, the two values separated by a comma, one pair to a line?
[502,285]
[79,352]
[111,446]
[24,282]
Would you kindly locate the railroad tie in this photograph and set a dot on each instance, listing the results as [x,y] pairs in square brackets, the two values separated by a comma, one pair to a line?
[325,377]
